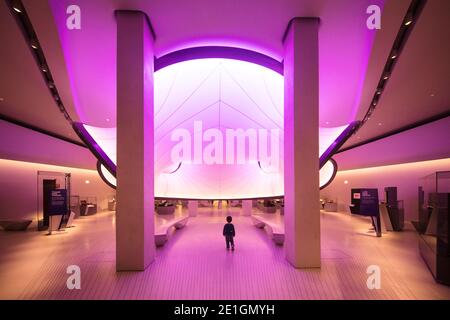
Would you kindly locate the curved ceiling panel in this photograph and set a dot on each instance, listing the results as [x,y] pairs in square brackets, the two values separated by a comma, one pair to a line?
[344,39]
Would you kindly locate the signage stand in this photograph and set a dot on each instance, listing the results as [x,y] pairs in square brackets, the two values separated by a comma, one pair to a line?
[57,209]
[48,181]
[365,203]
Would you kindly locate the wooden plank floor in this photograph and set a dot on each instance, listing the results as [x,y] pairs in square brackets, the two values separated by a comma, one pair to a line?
[195,265]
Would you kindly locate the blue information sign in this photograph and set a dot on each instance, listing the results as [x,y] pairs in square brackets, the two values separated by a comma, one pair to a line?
[58,202]
[365,202]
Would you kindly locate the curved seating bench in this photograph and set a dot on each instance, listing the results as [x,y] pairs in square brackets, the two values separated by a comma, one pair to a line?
[275,230]
[162,231]
[165,210]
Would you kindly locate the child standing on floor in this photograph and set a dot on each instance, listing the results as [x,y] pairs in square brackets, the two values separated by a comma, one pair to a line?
[229,233]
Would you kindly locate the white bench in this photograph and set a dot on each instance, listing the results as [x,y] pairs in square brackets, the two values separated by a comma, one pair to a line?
[275,230]
[162,232]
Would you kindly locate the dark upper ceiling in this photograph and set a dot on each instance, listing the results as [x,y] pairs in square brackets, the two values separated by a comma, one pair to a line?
[416,90]
[23,91]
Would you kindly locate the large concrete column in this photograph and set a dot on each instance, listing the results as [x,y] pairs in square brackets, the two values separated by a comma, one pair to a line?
[301,143]
[135,244]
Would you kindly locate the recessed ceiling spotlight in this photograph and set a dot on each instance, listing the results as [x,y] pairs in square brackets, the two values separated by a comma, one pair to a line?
[87,182]
[34,45]
[346,182]
[379,123]
[328,122]
[386,77]
[408,20]
[44,69]
[17,9]
[107,119]
[51,85]
[378,92]
[432,95]
[394,55]
[2,99]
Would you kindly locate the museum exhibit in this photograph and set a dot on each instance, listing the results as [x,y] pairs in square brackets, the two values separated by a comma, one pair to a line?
[222,150]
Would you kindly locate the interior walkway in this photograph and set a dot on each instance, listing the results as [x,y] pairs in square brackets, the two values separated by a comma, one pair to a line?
[195,265]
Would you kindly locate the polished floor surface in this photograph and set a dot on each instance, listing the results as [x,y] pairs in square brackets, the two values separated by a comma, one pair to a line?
[194,263]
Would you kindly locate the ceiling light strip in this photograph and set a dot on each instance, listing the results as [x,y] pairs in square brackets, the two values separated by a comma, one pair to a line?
[19,13]
[408,23]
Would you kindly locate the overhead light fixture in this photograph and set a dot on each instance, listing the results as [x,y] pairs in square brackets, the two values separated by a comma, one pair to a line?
[51,85]
[34,44]
[408,20]
[17,6]
[2,99]
[379,123]
[44,69]
[394,54]
[346,182]
[386,77]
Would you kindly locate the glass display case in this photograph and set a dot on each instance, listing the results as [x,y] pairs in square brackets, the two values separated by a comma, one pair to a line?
[88,206]
[395,208]
[433,226]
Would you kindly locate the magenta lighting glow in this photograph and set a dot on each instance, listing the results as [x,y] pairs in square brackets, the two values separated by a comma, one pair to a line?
[198,104]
